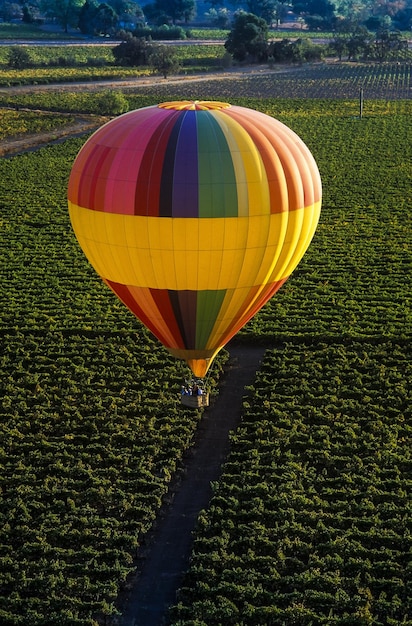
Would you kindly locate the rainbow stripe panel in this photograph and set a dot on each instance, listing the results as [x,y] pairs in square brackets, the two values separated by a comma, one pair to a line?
[194,214]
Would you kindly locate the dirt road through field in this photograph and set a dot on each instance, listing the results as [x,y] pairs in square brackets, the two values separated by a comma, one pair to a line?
[154,590]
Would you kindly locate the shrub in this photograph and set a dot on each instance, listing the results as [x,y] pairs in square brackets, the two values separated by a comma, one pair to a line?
[18,58]
[163,59]
[161,32]
[112,103]
[132,52]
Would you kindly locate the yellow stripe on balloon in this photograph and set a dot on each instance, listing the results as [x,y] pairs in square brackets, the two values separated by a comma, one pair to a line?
[251,180]
[164,253]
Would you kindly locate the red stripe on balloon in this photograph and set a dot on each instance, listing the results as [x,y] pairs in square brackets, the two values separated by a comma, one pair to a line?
[91,177]
[149,178]
[163,302]
[123,293]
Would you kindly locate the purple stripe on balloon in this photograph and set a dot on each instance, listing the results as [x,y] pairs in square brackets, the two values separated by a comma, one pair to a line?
[184,304]
[185,198]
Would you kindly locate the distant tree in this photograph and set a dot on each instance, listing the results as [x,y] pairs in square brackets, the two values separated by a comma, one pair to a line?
[353,9]
[130,13]
[298,51]
[65,12]
[388,43]
[322,8]
[127,7]
[165,11]
[278,50]
[154,15]
[86,17]
[9,10]
[374,23]
[28,15]
[345,25]
[218,17]
[403,18]
[262,8]
[360,44]
[112,103]
[105,19]
[387,7]
[18,58]
[248,38]
[339,46]
[164,60]
[280,12]
[215,3]
[132,52]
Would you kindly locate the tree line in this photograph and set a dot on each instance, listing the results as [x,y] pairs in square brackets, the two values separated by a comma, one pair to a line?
[248,41]
[93,17]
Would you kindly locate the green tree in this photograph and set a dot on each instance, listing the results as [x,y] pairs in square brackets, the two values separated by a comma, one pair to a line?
[132,52]
[339,46]
[129,12]
[164,60]
[248,38]
[105,19]
[18,58]
[280,12]
[262,8]
[403,18]
[360,43]
[113,103]
[388,43]
[28,15]
[86,17]
[218,17]
[9,10]
[65,12]
[164,11]
[215,3]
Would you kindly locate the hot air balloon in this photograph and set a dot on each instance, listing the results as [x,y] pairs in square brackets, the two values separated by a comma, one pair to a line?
[194,213]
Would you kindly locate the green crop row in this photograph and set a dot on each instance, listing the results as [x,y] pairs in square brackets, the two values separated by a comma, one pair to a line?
[14,123]
[310,522]
[91,433]
[49,64]
[324,80]
[87,55]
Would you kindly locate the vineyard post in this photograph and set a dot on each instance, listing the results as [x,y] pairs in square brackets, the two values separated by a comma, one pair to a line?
[361,102]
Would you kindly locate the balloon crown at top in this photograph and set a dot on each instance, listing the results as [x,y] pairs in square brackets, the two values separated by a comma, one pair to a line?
[194,105]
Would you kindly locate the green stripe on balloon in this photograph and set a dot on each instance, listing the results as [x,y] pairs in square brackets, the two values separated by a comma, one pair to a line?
[209,304]
[218,199]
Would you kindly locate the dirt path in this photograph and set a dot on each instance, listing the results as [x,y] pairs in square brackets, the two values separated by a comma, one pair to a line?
[29,142]
[153,590]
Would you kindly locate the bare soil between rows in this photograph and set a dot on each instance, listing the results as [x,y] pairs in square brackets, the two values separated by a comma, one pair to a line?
[164,558]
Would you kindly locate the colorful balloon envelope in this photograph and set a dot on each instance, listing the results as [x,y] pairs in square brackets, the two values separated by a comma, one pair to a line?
[194,214]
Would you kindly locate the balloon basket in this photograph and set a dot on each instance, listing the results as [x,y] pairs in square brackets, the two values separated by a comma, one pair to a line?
[195,402]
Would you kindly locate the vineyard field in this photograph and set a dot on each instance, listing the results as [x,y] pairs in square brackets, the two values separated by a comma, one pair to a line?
[51,64]
[390,81]
[310,522]
[15,123]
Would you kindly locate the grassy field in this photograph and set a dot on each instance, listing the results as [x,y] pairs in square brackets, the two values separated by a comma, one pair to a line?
[310,523]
